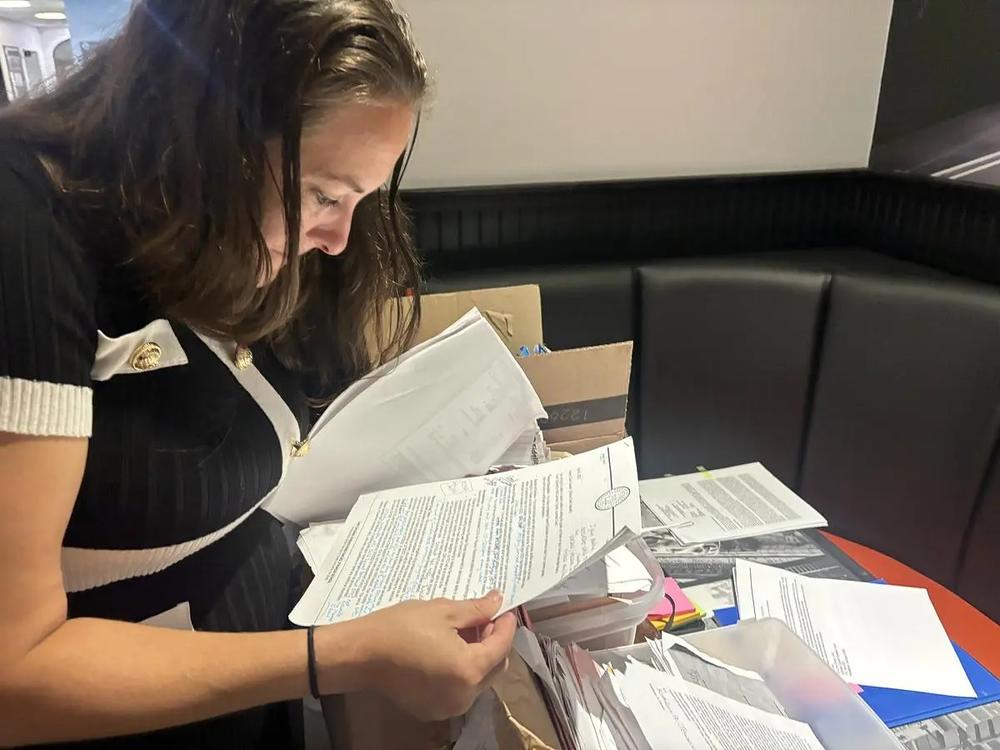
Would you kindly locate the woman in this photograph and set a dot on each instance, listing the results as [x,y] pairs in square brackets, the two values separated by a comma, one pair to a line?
[180,278]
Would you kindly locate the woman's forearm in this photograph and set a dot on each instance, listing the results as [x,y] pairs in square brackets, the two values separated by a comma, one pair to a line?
[98,678]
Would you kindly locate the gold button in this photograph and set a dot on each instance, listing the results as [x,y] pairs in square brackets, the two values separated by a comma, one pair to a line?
[146,357]
[300,449]
[243,357]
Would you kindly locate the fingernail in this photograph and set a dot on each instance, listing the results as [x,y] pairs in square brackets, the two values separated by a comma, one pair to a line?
[495,596]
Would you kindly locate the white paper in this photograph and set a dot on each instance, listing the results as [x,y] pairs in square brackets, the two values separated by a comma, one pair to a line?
[668,642]
[577,674]
[175,618]
[628,733]
[680,716]
[626,573]
[711,596]
[448,408]
[869,633]
[677,657]
[591,581]
[317,540]
[528,449]
[619,573]
[731,503]
[521,532]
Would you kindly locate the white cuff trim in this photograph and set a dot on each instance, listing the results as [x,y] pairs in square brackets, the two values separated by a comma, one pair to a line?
[35,407]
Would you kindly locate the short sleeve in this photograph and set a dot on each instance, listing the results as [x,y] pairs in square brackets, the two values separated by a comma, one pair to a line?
[48,334]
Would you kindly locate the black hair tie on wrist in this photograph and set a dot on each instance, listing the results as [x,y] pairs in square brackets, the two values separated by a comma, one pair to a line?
[313,678]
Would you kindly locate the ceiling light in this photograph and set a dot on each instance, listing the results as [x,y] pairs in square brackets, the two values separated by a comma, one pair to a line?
[15,4]
[51,15]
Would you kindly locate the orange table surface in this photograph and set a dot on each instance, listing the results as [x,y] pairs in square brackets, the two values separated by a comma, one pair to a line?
[966,625]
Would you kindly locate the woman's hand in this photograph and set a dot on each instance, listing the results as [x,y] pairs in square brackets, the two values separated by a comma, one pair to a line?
[430,658]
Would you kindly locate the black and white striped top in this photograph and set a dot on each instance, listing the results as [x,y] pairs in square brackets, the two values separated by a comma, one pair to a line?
[180,455]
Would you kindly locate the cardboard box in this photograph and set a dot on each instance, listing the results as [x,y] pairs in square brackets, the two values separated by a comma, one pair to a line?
[584,391]
[366,721]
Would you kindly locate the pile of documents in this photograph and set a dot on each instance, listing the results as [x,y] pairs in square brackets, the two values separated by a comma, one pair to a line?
[448,408]
[664,694]
[431,478]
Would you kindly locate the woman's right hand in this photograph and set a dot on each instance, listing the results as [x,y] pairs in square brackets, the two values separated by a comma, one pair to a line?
[431,658]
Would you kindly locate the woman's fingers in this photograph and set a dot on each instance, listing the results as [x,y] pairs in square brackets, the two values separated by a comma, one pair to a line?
[493,649]
[474,612]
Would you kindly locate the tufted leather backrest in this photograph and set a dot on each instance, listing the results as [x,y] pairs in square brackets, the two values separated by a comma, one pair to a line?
[905,414]
[869,385]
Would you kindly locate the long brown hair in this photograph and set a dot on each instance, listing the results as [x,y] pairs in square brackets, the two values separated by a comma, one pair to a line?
[161,135]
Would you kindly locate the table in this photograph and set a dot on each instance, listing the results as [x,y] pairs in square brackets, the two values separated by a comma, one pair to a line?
[966,625]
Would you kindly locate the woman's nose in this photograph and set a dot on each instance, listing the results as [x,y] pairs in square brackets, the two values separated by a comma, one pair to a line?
[330,238]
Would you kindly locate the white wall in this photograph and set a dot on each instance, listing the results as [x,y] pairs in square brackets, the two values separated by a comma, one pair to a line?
[38,39]
[547,90]
[19,35]
[51,38]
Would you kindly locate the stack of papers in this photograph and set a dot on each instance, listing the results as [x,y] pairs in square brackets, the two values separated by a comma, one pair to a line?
[520,532]
[731,503]
[869,633]
[671,696]
[450,407]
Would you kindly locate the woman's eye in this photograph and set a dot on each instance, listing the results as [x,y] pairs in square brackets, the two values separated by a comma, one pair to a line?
[325,201]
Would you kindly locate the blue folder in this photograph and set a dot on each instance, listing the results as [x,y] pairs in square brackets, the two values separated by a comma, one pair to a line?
[898,707]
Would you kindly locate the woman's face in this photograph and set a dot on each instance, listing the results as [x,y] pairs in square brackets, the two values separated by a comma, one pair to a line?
[347,155]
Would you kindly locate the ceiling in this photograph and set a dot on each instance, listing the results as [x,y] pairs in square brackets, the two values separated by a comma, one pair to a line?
[27,15]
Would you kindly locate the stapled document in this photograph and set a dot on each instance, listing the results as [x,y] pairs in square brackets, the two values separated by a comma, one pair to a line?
[731,503]
[521,532]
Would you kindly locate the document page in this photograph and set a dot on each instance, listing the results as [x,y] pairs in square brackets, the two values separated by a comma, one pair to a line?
[520,532]
[676,714]
[725,504]
[869,633]
[619,573]
[677,657]
[448,408]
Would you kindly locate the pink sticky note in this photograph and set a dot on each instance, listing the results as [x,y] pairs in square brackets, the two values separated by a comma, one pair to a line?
[662,608]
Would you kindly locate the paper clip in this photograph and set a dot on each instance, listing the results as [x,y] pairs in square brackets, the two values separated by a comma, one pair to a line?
[670,527]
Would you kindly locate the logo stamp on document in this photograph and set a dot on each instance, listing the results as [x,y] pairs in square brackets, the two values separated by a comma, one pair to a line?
[612,498]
